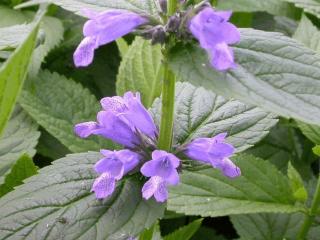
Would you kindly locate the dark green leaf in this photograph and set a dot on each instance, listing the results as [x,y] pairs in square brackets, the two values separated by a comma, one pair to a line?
[261,188]
[152,233]
[57,204]
[267,63]
[201,113]
[309,6]
[57,104]
[22,169]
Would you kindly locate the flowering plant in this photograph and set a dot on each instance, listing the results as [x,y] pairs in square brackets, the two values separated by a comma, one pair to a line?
[204,129]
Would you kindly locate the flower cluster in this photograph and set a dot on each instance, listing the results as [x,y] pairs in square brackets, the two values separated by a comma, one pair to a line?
[126,121]
[210,27]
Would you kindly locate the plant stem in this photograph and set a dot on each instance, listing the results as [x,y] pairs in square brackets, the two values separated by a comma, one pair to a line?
[172,7]
[309,218]
[167,112]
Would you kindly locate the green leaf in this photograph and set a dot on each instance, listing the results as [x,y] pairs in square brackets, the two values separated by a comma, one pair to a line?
[201,113]
[22,169]
[207,233]
[309,6]
[260,188]
[308,34]
[141,71]
[11,37]
[122,46]
[283,144]
[12,75]
[269,226]
[296,183]
[148,7]
[267,62]
[52,30]
[57,203]
[57,104]
[316,150]
[20,137]
[152,233]
[185,232]
[274,7]
[310,131]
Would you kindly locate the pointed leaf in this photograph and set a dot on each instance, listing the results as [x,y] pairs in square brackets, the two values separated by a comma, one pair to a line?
[267,63]
[185,232]
[57,203]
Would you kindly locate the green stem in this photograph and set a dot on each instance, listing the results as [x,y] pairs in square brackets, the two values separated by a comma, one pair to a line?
[309,218]
[167,112]
[172,7]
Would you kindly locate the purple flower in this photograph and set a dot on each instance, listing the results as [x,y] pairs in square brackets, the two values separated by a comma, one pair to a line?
[113,167]
[212,29]
[103,28]
[163,172]
[121,120]
[215,152]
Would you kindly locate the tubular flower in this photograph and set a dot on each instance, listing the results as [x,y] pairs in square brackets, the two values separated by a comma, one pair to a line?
[215,152]
[113,167]
[122,120]
[163,172]
[213,31]
[103,28]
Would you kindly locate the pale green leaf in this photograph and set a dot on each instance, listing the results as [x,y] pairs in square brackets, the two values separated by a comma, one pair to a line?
[308,34]
[57,104]
[275,7]
[147,7]
[273,72]
[310,131]
[141,70]
[260,188]
[22,169]
[57,204]
[12,36]
[269,226]
[20,137]
[201,113]
[122,46]
[309,6]
[185,232]
[13,73]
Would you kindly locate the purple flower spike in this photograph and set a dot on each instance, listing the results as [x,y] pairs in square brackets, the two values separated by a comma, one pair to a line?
[163,172]
[212,29]
[103,28]
[131,109]
[215,152]
[112,167]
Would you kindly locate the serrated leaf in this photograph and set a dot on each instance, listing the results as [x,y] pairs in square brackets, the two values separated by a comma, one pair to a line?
[201,113]
[309,6]
[57,204]
[13,73]
[141,70]
[20,137]
[22,169]
[267,63]
[316,150]
[57,104]
[274,7]
[268,226]
[122,46]
[10,17]
[310,131]
[185,232]
[296,183]
[53,34]
[153,233]
[12,36]
[146,7]
[260,188]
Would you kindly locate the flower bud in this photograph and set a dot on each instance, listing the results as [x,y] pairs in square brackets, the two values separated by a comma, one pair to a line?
[173,23]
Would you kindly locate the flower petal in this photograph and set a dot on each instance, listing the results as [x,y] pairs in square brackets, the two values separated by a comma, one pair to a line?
[85,129]
[103,186]
[111,165]
[84,53]
[222,57]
